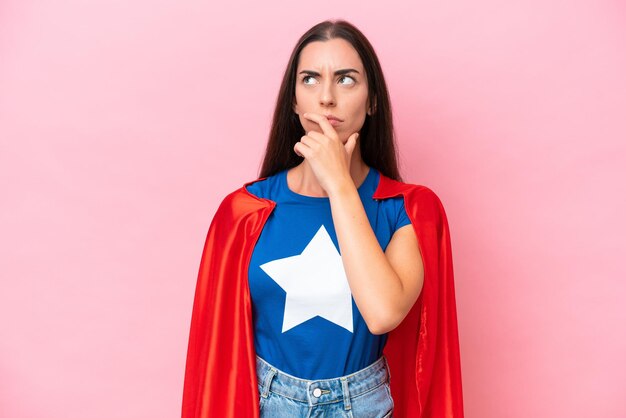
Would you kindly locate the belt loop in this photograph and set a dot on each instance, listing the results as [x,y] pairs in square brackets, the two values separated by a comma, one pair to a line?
[346,394]
[388,369]
[268,381]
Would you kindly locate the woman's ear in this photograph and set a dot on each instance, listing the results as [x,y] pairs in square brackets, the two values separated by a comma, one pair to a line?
[372,108]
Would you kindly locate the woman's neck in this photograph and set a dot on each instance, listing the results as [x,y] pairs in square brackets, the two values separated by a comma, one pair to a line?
[301,178]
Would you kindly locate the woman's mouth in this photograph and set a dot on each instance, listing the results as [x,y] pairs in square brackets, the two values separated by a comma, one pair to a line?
[334,121]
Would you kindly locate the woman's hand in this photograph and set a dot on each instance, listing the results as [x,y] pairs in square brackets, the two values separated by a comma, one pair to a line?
[328,157]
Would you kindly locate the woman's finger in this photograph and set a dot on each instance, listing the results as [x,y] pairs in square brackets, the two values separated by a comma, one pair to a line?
[309,142]
[318,136]
[321,120]
[301,149]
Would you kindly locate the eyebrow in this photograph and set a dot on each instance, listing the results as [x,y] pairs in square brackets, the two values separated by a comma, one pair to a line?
[338,72]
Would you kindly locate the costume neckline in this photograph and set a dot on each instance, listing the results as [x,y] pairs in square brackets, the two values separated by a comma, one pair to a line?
[371,173]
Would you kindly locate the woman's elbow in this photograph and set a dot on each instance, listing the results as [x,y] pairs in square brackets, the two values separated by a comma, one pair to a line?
[383,325]
[390,318]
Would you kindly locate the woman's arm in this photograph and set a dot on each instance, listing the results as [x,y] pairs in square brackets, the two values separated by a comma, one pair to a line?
[385,285]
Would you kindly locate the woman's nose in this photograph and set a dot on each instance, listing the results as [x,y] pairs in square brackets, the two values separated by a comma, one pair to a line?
[327,96]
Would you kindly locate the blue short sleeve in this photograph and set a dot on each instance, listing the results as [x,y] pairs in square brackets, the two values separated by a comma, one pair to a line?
[403,218]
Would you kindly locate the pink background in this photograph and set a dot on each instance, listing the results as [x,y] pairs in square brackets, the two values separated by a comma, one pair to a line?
[124,124]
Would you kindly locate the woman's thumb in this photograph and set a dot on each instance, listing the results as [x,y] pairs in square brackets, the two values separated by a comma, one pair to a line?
[351,143]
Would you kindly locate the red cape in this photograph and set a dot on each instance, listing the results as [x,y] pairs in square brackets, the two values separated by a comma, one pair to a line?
[423,351]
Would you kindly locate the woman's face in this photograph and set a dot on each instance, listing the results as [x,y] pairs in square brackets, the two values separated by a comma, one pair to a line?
[320,90]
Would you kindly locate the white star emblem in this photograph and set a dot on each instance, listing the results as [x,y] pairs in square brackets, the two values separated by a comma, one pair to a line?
[315,282]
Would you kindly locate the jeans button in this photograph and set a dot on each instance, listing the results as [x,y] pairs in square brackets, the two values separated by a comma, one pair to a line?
[317,392]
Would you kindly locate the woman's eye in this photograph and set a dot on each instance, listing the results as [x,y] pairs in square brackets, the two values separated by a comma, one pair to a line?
[346,76]
[304,78]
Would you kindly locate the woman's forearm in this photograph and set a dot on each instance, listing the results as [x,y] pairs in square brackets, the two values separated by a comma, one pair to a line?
[373,282]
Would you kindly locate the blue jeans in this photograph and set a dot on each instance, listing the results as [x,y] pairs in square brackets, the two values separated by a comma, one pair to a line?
[362,394]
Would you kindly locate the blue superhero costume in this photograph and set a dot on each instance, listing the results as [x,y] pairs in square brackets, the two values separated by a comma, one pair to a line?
[306,322]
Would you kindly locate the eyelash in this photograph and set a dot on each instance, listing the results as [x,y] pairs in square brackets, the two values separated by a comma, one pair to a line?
[343,76]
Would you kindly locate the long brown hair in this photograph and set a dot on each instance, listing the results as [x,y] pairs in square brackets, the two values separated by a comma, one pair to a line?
[376,141]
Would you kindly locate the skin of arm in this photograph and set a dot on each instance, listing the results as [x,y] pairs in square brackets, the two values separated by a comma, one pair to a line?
[385,285]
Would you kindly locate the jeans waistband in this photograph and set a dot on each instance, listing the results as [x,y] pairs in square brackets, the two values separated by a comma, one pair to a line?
[323,390]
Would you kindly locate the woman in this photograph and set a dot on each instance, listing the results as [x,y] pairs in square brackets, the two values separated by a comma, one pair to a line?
[326,285]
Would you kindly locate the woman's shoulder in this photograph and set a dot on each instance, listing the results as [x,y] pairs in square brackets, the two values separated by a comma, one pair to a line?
[253,194]
[264,187]
[420,200]
[389,187]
